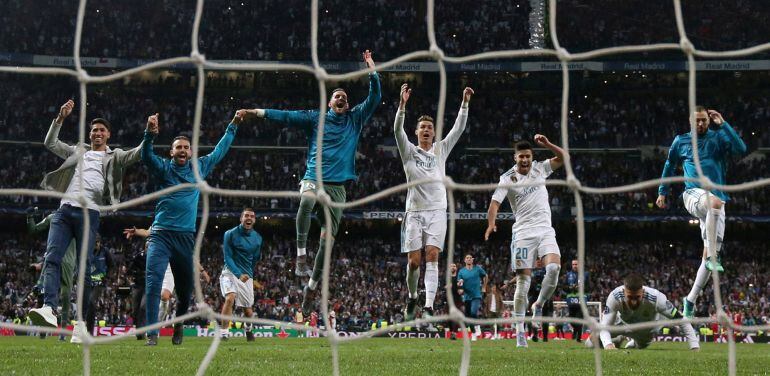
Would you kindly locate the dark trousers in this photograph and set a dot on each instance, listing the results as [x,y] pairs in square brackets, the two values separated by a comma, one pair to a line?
[472,308]
[175,248]
[575,311]
[138,305]
[91,308]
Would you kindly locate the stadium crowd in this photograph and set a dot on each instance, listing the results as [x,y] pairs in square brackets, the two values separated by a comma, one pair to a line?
[367,277]
[122,30]
[624,112]
[378,170]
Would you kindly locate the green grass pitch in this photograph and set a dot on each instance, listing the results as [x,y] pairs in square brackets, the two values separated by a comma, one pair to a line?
[380,356]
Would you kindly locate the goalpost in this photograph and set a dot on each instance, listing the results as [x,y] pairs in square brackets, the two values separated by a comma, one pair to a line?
[560,309]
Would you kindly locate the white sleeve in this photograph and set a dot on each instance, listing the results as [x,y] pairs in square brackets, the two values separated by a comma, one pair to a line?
[666,309]
[449,142]
[402,141]
[544,167]
[500,192]
[664,306]
[611,311]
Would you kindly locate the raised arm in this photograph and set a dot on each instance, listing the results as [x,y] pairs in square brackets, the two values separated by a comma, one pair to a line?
[372,100]
[558,160]
[223,146]
[152,161]
[134,155]
[668,170]
[727,135]
[34,228]
[402,140]
[52,142]
[454,135]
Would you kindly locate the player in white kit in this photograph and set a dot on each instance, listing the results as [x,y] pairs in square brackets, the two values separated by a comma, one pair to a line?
[425,222]
[533,236]
[634,303]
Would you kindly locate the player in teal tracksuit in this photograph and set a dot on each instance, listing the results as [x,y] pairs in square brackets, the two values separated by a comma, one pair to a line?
[715,148]
[342,128]
[172,237]
[242,249]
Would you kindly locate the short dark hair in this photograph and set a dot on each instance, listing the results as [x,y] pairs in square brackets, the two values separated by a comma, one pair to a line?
[633,281]
[700,108]
[248,209]
[425,118]
[180,138]
[338,89]
[522,145]
[102,121]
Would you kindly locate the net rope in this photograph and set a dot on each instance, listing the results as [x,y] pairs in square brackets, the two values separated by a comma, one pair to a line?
[434,52]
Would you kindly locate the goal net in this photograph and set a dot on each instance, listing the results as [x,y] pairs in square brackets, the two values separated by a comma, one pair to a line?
[435,53]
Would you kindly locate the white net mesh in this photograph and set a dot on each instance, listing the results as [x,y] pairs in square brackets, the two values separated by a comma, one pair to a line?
[435,53]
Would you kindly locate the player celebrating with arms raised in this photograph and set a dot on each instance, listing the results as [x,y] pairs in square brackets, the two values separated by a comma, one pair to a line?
[342,129]
[714,150]
[172,235]
[533,236]
[425,222]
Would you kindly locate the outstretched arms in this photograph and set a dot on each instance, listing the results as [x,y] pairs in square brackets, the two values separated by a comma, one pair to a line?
[223,146]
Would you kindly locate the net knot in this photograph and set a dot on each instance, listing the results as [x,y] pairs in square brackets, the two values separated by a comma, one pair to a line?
[573,182]
[448,182]
[686,46]
[198,58]
[436,52]
[323,198]
[563,54]
[321,75]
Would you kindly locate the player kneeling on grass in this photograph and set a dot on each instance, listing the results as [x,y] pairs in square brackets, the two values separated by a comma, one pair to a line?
[241,248]
[634,303]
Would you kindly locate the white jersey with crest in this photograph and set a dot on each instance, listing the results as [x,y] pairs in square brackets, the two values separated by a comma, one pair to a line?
[529,204]
[654,305]
[420,164]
